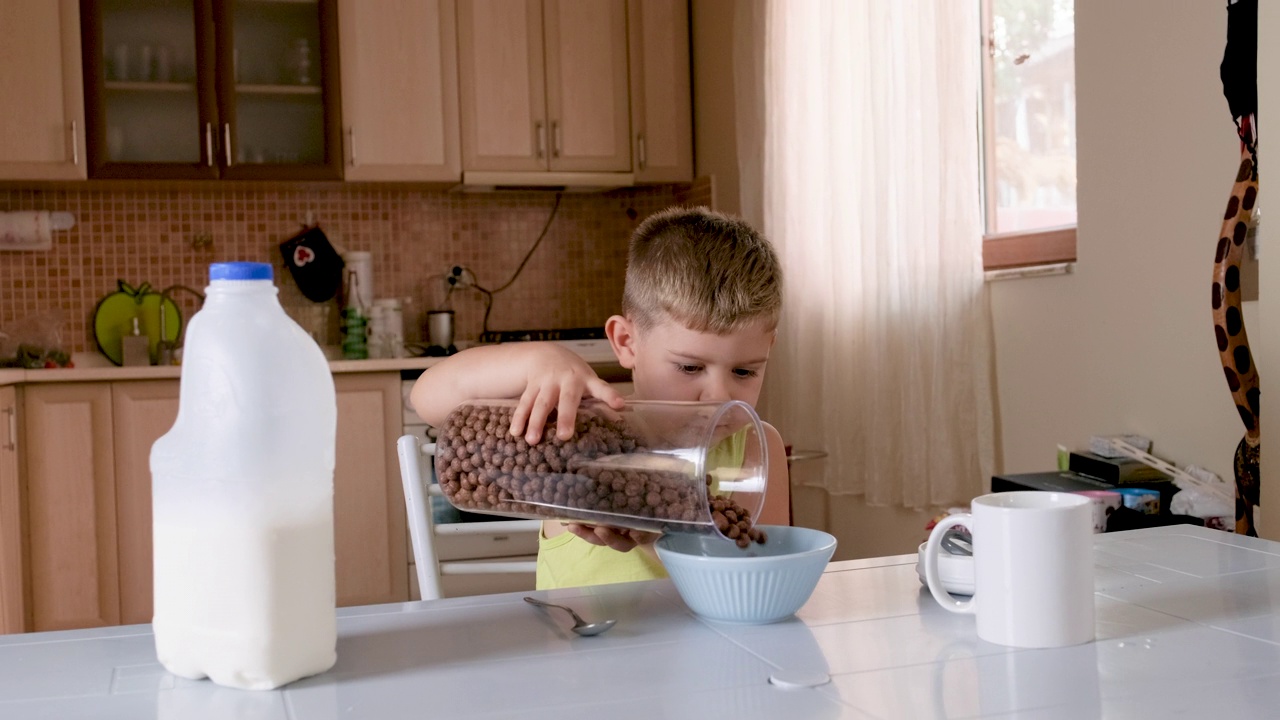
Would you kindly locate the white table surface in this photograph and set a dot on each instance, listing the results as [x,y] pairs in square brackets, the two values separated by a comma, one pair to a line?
[1188,624]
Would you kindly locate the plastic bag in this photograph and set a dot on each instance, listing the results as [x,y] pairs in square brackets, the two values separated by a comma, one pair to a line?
[1216,511]
[35,341]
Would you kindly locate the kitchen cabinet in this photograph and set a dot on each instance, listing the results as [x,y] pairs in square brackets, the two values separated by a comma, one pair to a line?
[370,524]
[12,602]
[88,499]
[543,85]
[661,93]
[232,89]
[71,559]
[140,413]
[400,90]
[42,120]
[75,515]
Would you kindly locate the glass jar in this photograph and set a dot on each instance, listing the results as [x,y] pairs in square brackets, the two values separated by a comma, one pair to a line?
[299,62]
[651,466]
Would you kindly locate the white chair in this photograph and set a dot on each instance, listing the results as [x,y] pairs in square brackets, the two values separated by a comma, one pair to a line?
[425,535]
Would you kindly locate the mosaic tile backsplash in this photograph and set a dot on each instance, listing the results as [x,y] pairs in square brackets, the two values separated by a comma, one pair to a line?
[167,234]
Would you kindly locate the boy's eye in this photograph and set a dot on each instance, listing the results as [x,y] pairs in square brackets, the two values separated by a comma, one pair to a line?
[745,372]
[689,369]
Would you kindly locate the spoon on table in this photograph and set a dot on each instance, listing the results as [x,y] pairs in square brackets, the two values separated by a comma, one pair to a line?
[580,626]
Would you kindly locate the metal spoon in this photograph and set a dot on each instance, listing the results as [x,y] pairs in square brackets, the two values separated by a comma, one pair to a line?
[958,543]
[580,626]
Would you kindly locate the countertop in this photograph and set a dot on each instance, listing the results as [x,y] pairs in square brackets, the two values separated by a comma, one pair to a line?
[1188,624]
[96,367]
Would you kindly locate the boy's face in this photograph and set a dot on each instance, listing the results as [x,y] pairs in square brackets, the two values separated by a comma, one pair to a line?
[671,362]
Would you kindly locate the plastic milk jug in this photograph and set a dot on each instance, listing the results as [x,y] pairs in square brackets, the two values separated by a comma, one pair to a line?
[242,495]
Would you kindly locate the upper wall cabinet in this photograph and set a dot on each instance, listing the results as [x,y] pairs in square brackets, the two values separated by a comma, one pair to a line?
[42,114]
[235,89]
[661,96]
[543,86]
[400,89]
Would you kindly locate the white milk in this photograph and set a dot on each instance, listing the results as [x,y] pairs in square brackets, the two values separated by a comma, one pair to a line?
[242,495]
[253,620]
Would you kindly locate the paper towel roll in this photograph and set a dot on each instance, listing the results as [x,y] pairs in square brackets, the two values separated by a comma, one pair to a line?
[26,230]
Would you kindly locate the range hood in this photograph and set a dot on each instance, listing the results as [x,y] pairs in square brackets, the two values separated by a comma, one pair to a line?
[585,182]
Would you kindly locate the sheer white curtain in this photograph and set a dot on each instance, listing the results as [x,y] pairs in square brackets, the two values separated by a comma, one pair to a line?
[858,149]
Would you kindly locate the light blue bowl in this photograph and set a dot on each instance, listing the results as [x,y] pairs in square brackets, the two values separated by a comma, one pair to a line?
[761,584]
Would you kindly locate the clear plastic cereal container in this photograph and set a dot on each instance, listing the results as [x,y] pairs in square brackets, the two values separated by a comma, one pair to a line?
[652,466]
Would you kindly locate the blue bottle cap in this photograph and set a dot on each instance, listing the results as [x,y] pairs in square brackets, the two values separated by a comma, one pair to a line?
[240,271]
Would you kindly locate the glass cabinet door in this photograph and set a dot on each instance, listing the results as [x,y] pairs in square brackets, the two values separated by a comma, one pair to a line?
[277,89]
[150,114]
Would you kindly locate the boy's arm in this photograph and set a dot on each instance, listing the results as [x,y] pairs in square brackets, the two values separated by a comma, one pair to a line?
[544,376]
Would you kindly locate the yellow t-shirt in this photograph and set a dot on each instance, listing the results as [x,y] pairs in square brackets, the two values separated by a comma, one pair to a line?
[567,560]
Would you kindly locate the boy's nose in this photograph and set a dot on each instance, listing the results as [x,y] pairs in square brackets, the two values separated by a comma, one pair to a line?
[715,390]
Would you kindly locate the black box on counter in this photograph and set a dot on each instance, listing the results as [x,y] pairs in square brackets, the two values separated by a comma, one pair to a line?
[1117,471]
[1068,481]
[1056,481]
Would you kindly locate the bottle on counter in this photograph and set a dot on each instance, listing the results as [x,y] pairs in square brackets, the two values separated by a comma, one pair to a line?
[135,347]
[355,334]
[242,495]
[357,304]
[386,329]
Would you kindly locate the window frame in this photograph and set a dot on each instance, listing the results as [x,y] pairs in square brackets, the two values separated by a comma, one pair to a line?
[1024,248]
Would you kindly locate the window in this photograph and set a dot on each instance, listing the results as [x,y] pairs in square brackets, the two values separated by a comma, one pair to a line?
[1029,132]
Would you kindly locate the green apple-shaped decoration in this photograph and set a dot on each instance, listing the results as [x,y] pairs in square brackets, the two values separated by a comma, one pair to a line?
[113,318]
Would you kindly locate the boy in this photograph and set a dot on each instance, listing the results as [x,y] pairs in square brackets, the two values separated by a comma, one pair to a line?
[700,307]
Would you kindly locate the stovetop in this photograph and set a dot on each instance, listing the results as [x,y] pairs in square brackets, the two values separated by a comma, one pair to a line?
[501,336]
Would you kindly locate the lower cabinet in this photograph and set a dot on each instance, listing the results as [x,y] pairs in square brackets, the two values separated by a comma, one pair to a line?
[12,604]
[75,499]
[72,561]
[370,522]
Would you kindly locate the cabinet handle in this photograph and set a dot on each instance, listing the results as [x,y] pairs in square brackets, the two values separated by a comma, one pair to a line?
[539,140]
[208,144]
[644,160]
[226,142]
[351,134]
[555,139]
[13,428]
[75,145]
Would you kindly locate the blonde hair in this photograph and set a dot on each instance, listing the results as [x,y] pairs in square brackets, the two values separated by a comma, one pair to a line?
[709,271]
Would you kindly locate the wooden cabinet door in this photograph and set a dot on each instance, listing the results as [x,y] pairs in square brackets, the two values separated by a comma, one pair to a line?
[370,523]
[149,92]
[279,106]
[141,412]
[587,106]
[42,114]
[502,85]
[71,505]
[400,89]
[661,104]
[12,600]
[212,89]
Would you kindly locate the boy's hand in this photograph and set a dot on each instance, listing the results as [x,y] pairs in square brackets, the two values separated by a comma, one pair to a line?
[620,539]
[557,380]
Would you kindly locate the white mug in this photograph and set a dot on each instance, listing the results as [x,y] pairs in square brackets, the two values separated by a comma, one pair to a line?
[1033,568]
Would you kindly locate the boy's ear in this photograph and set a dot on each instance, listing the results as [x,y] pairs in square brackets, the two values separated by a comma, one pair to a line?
[622,338]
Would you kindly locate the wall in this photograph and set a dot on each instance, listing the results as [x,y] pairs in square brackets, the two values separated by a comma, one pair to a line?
[143,232]
[1125,343]
[1264,340]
